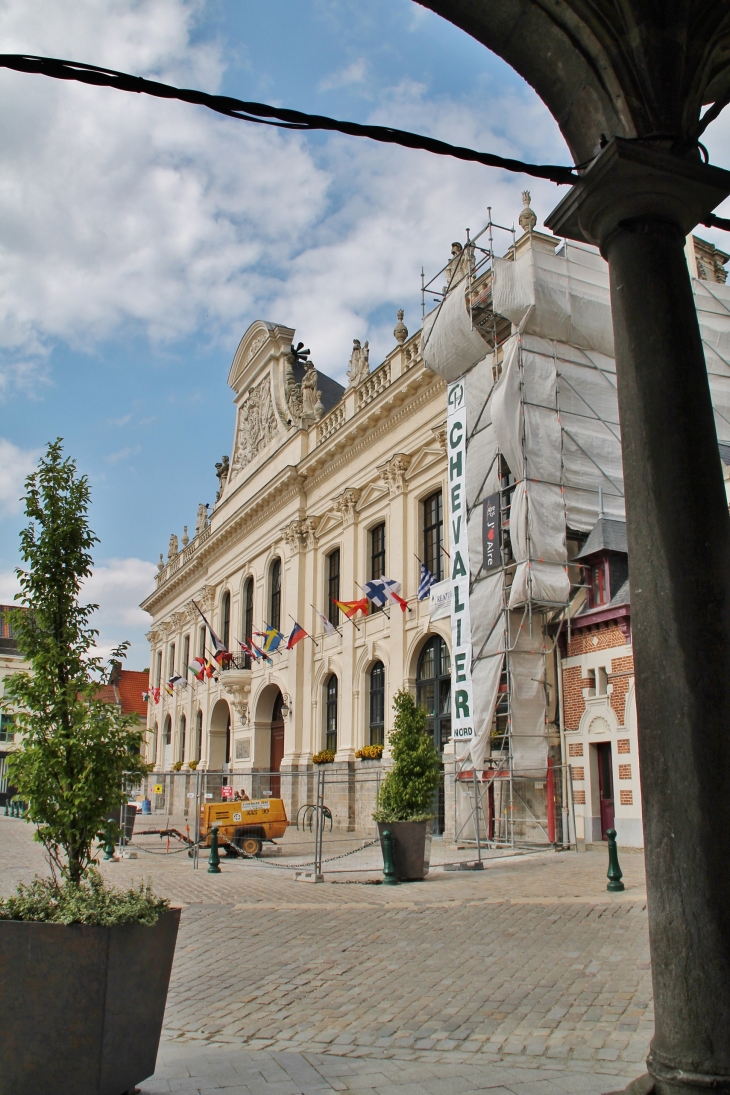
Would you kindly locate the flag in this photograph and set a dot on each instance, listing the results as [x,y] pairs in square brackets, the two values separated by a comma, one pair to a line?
[297,633]
[376,592]
[155,693]
[259,653]
[169,689]
[175,679]
[351,608]
[197,669]
[220,654]
[246,649]
[272,637]
[146,697]
[329,627]
[425,582]
[392,592]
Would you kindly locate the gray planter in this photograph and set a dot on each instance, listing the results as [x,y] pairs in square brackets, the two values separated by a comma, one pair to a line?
[81,1007]
[411,847]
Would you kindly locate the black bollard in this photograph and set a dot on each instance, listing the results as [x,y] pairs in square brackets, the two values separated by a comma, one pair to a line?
[214,858]
[615,874]
[390,877]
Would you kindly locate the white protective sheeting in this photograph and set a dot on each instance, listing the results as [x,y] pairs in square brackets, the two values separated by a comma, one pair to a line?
[568,294]
[449,344]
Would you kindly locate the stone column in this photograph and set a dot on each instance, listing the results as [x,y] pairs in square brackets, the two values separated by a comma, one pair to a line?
[679,552]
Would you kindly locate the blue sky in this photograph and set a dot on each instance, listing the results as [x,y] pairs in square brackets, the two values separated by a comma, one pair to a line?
[140,238]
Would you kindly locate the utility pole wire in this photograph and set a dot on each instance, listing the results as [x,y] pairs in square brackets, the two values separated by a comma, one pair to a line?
[276,116]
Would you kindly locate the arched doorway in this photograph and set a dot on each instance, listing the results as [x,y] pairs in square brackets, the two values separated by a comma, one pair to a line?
[433,694]
[219,752]
[276,751]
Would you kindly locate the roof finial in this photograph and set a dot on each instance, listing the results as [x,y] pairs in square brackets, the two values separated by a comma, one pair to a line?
[400,331]
[527,219]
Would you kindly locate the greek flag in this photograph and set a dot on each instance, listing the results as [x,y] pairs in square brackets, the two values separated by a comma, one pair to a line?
[425,582]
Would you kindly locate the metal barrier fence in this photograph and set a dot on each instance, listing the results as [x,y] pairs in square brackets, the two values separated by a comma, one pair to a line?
[329,811]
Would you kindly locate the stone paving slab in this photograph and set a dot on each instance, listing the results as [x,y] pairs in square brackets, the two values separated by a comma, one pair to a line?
[528,973]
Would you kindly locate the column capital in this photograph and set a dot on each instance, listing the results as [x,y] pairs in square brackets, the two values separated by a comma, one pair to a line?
[630,180]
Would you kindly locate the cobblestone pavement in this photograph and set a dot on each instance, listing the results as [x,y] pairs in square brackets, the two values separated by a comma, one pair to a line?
[526,977]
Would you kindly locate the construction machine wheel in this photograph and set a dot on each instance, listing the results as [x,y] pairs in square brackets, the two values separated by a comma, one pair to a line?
[251,845]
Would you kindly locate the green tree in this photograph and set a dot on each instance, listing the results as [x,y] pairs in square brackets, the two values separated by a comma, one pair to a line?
[76,751]
[406,793]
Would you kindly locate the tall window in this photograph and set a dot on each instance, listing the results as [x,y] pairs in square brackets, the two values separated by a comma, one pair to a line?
[201,641]
[226,620]
[198,736]
[275,600]
[433,534]
[183,729]
[598,585]
[186,656]
[7,730]
[159,668]
[377,704]
[433,689]
[168,730]
[247,616]
[171,663]
[331,714]
[377,555]
[333,586]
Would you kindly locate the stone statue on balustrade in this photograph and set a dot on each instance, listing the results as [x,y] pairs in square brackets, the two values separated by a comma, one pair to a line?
[359,363]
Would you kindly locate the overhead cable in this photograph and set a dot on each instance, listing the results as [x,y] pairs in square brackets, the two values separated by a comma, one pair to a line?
[275,116]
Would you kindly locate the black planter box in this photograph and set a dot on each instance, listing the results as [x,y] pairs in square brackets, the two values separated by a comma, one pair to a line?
[81,1007]
[411,848]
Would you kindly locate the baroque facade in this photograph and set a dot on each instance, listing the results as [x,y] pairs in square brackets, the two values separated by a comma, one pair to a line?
[325,489]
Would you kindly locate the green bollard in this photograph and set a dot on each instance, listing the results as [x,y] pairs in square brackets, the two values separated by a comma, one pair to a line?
[13,808]
[214,858]
[109,841]
[615,874]
[390,877]
[7,811]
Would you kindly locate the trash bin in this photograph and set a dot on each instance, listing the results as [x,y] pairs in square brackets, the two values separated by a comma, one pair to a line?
[146,806]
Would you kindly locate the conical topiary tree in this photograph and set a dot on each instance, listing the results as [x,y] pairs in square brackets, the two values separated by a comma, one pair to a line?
[407,791]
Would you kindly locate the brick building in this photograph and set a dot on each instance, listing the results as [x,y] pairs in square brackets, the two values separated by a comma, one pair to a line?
[599,709]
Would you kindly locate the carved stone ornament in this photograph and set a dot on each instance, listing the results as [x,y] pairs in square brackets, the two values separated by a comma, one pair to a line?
[400,331]
[394,473]
[359,369]
[292,535]
[153,636]
[204,597]
[172,549]
[201,520]
[254,348]
[177,620]
[309,530]
[257,425]
[439,433]
[345,505]
[527,219]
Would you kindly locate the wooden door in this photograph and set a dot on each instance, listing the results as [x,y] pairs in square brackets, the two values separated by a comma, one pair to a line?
[276,757]
[605,787]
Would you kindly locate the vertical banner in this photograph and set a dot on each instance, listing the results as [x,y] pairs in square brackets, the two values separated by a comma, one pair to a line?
[491,533]
[462,700]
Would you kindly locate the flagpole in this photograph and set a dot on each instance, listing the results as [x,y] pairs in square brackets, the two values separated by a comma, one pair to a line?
[305,632]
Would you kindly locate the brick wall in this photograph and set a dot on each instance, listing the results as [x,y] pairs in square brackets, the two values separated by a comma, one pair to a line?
[574,683]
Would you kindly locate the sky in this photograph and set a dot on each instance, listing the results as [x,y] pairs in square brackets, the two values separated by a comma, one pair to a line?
[140,238]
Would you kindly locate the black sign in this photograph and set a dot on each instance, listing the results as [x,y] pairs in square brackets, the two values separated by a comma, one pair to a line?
[491,533]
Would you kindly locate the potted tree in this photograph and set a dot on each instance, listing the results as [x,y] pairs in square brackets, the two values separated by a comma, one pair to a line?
[405,800]
[84,967]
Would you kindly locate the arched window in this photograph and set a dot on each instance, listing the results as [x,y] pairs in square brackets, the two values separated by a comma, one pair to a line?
[247,616]
[226,619]
[167,739]
[198,746]
[275,598]
[333,587]
[377,704]
[331,714]
[168,730]
[433,689]
[183,730]
[433,534]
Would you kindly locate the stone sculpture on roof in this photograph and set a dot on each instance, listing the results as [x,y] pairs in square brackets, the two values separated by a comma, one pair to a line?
[359,363]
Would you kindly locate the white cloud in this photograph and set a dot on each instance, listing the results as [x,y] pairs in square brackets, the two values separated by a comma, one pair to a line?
[123,454]
[118,586]
[352,74]
[15,465]
[118,209]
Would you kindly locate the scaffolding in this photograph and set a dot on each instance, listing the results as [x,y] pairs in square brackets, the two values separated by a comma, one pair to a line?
[530,335]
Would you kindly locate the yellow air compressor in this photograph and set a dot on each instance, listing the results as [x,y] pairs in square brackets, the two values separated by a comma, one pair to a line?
[243,826]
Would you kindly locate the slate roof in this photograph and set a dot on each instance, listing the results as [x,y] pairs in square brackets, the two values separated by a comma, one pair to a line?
[623,596]
[608,534]
[724,448]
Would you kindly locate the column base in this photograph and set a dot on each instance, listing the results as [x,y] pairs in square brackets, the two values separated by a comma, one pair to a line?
[675,1082]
